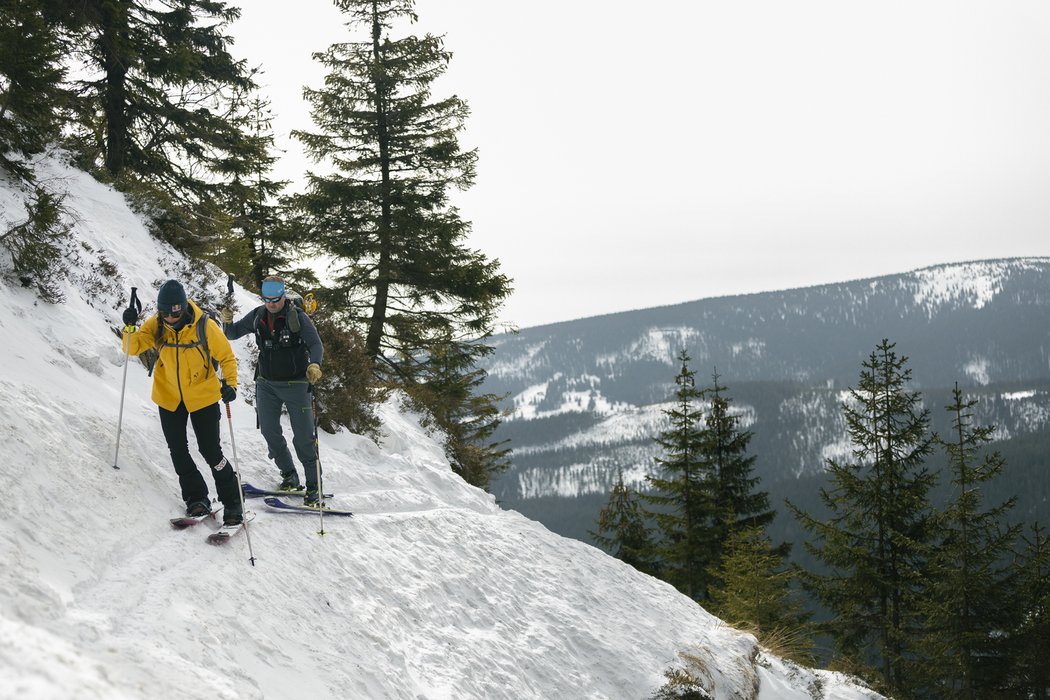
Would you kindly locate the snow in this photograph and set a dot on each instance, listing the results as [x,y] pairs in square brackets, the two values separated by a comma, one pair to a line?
[975,283]
[431,591]
[587,399]
[659,344]
[977,369]
[752,347]
[939,285]
[520,366]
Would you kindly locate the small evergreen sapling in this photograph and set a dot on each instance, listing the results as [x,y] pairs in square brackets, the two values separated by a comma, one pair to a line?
[622,529]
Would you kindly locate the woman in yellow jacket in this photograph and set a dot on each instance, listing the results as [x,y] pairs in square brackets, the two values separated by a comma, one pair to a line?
[187,388]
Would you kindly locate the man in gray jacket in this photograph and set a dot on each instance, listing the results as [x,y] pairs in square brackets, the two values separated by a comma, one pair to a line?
[290,355]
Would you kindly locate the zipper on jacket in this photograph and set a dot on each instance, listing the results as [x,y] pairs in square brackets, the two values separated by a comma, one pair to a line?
[178,374]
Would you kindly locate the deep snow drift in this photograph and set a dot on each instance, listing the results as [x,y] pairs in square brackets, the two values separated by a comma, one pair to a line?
[430,591]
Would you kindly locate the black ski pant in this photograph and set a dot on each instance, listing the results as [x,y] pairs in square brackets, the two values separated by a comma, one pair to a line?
[206,428]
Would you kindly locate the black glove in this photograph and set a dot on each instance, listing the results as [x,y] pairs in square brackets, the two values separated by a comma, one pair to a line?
[228,393]
[131,316]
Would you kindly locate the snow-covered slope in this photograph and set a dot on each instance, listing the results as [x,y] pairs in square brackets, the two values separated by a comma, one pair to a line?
[431,591]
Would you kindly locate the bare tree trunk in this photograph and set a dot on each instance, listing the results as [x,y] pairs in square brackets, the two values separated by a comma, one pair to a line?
[373,341]
[114,40]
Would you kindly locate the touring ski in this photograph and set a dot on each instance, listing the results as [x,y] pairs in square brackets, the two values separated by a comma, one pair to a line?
[278,504]
[190,520]
[224,533]
[253,492]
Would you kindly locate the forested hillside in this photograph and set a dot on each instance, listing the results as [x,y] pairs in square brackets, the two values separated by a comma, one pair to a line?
[586,396]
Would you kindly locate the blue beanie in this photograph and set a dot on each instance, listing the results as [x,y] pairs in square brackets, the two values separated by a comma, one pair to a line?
[172,298]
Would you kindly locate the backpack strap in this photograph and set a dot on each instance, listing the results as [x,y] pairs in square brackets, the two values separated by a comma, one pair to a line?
[202,343]
[202,338]
[292,319]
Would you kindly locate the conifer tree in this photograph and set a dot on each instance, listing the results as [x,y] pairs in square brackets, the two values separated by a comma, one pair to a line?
[32,96]
[380,212]
[736,503]
[40,246]
[875,540]
[156,87]
[259,240]
[968,594]
[1029,638]
[622,530]
[681,492]
[347,395]
[400,264]
[753,589]
[451,396]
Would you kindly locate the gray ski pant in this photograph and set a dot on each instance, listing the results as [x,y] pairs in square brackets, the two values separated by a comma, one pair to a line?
[269,397]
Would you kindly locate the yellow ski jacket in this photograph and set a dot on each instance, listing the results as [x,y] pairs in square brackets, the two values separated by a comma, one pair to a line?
[182,373]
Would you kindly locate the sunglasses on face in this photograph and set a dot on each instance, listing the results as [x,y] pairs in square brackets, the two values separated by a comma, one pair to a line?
[272,291]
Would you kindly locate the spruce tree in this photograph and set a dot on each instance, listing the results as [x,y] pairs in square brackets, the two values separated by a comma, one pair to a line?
[347,395]
[41,246]
[400,268]
[681,493]
[156,88]
[452,400]
[966,602]
[875,541]
[1029,637]
[32,92]
[259,242]
[736,502]
[753,590]
[381,211]
[622,530]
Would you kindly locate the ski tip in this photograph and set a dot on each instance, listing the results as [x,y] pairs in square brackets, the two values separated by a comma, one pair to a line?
[184,521]
[280,505]
[224,534]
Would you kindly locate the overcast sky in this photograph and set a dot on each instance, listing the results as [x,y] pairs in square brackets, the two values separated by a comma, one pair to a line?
[635,155]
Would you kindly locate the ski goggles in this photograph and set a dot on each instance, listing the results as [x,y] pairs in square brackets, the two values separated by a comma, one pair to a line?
[272,291]
[173,311]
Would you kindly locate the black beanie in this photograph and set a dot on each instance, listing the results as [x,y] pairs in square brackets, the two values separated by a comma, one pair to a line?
[171,298]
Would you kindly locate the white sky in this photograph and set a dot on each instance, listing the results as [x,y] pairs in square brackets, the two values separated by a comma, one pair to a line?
[636,156]
[424,594]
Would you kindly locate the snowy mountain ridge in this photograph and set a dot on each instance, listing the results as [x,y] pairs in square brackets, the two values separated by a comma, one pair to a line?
[585,398]
[430,591]
[649,334]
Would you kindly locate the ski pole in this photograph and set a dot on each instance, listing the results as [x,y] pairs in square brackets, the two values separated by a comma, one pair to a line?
[229,291]
[233,443]
[317,460]
[128,330]
[240,488]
